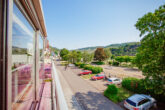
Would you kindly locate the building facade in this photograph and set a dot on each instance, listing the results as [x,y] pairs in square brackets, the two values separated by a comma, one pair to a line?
[22,41]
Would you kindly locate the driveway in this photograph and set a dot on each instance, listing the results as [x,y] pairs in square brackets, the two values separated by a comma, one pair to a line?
[86,96]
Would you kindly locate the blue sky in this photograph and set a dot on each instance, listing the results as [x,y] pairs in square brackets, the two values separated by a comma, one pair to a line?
[82,23]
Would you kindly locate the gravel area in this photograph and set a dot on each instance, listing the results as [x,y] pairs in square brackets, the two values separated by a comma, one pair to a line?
[122,72]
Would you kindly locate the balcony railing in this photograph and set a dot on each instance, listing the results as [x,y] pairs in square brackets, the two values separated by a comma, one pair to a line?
[59,102]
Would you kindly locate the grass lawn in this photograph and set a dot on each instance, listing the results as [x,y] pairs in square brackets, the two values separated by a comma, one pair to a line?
[88,76]
[121,95]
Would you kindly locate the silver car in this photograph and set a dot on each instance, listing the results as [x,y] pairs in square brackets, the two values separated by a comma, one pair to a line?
[139,102]
[113,81]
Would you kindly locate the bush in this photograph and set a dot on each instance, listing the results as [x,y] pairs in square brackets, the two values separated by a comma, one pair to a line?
[99,63]
[94,69]
[114,98]
[97,69]
[111,93]
[134,85]
[82,65]
[115,63]
[88,67]
[112,89]
[77,64]
[138,86]
[110,62]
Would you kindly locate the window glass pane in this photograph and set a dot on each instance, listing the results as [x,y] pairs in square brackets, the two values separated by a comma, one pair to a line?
[131,102]
[41,61]
[22,60]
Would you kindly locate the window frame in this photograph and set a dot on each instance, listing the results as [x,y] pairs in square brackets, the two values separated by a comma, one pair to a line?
[9,19]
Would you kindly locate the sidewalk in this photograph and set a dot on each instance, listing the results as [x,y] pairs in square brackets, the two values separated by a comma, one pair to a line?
[69,95]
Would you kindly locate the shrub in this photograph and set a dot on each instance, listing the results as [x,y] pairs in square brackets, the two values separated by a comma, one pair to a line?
[138,86]
[88,67]
[78,63]
[110,62]
[82,65]
[115,63]
[94,69]
[112,89]
[99,63]
[114,98]
[134,85]
[97,69]
[111,93]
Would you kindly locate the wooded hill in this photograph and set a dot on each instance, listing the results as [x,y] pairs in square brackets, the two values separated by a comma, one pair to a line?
[120,49]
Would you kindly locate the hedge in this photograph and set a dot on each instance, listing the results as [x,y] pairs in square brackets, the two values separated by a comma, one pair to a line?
[110,62]
[77,64]
[134,85]
[94,69]
[138,86]
[115,63]
[82,65]
[97,69]
[111,93]
[88,67]
[99,63]
[112,89]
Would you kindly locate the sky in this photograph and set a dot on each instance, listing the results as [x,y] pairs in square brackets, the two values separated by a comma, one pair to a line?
[76,24]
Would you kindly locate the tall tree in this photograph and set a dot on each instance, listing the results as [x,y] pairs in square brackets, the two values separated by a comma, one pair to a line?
[151,54]
[107,53]
[87,57]
[73,56]
[100,54]
[64,52]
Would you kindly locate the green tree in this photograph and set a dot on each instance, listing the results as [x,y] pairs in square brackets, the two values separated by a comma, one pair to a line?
[66,57]
[79,56]
[64,52]
[107,53]
[100,54]
[74,56]
[151,54]
[87,57]
[120,59]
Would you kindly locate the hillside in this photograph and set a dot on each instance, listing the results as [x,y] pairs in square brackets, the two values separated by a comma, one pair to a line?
[117,49]
[127,49]
[89,49]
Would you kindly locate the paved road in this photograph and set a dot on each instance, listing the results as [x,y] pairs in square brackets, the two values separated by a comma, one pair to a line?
[78,90]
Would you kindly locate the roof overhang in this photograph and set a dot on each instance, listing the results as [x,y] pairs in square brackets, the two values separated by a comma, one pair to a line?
[33,9]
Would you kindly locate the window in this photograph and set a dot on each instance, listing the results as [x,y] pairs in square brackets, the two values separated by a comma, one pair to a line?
[117,80]
[131,102]
[22,60]
[41,61]
[143,102]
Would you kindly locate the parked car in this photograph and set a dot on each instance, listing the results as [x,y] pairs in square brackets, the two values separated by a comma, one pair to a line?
[139,102]
[98,76]
[114,81]
[71,65]
[86,72]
